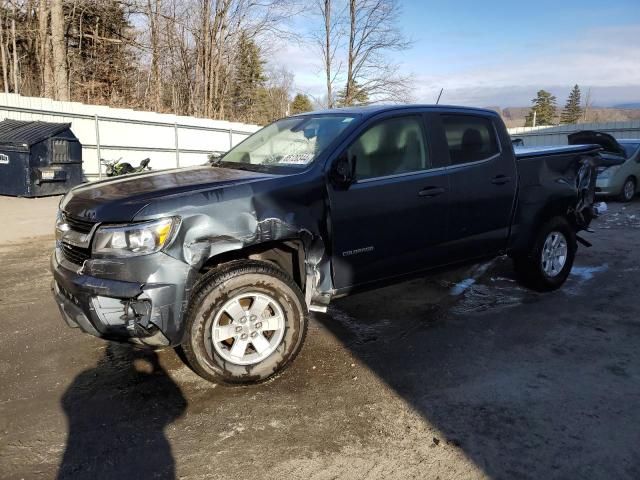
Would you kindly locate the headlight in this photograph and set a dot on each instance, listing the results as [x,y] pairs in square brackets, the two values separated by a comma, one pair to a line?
[135,239]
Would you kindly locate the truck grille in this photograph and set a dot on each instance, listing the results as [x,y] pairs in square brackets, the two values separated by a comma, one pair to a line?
[75,254]
[78,224]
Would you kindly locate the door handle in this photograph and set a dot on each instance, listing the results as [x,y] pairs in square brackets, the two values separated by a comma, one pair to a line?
[431,192]
[500,180]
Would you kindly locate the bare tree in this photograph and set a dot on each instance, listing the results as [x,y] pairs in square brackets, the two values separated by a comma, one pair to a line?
[5,76]
[168,55]
[59,51]
[277,94]
[328,42]
[373,34]
[15,69]
[588,103]
[44,49]
[153,14]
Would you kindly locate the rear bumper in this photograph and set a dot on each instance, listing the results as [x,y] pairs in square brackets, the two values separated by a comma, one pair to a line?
[125,311]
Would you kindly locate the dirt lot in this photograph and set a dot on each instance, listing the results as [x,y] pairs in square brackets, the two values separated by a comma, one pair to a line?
[435,378]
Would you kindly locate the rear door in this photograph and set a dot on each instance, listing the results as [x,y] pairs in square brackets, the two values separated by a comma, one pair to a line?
[483,180]
[393,219]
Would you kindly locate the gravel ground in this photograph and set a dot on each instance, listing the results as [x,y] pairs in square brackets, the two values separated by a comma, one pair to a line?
[464,375]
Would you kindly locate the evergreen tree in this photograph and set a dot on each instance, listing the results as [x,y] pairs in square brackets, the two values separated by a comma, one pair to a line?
[572,110]
[249,80]
[545,107]
[301,104]
[359,96]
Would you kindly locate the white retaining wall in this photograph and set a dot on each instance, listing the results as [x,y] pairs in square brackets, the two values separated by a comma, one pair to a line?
[168,140]
[536,136]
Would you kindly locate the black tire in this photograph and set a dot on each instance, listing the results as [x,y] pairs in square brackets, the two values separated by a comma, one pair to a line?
[529,265]
[221,285]
[625,195]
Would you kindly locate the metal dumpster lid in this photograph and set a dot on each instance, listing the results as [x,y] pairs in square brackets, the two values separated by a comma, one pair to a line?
[24,133]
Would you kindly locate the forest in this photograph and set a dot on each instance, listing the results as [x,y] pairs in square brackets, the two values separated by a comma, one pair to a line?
[206,58]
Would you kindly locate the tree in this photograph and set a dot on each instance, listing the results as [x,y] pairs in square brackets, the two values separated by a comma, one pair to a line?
[544,106]
[358,96]
[274,96]
[588,103]
[328,42]
[373,34]
[178,56]
[301,104]
[59,49]
[572,111]
[248,79]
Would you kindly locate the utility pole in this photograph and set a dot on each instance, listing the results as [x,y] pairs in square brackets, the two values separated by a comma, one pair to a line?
[534,118]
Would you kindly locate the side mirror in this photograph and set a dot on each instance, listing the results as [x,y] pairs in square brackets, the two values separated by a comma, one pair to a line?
[343,171]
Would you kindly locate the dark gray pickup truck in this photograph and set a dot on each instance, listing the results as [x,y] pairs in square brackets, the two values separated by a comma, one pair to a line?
[225,260]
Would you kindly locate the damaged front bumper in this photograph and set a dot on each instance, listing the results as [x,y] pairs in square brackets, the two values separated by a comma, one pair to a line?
[146,313]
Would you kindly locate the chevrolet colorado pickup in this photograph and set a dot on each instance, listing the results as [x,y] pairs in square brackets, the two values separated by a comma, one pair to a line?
[226,260]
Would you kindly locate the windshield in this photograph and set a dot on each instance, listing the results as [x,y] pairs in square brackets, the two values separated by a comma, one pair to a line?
[630,148]
[290,143]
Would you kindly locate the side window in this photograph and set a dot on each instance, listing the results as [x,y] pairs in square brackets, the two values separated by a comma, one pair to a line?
[390,147]
[470,138]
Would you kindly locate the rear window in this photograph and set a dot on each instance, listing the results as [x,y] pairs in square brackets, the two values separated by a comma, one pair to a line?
[470,138]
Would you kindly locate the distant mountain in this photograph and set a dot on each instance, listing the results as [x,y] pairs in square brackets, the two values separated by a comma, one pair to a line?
[515,116]
[627,106]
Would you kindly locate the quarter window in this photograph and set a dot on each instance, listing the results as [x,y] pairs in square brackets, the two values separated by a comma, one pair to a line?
[390,147]
[470,138]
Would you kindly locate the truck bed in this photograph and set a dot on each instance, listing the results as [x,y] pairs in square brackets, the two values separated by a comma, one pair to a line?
[528,152]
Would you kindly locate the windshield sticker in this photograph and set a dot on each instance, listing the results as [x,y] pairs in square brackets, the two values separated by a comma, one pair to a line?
[296,158]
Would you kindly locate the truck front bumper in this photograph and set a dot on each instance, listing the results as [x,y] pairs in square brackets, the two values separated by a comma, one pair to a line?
[147,313]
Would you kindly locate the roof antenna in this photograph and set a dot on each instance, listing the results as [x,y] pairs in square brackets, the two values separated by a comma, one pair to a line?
[439,95]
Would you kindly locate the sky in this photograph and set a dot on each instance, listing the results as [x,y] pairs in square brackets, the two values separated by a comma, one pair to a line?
[500,53]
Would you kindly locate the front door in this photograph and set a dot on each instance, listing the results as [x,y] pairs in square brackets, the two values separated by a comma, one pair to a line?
[393,218]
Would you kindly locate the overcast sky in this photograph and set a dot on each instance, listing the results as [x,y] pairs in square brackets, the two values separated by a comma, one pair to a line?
[499,53]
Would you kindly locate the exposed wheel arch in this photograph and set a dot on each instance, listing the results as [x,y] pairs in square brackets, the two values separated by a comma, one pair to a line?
[287,255]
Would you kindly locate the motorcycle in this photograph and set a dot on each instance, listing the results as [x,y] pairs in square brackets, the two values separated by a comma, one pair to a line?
[116,168]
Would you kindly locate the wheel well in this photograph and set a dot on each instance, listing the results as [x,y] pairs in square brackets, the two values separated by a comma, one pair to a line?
[554,209]
[287,255]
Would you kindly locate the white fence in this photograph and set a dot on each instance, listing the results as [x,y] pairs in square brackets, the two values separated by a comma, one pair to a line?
[112,133]
[536,136]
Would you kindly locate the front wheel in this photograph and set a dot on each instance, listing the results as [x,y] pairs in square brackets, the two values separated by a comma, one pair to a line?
[549,260]
[628,190]
[245,323]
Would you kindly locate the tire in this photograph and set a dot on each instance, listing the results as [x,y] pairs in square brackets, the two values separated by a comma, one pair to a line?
[628,190]
[279,318]
[536,269]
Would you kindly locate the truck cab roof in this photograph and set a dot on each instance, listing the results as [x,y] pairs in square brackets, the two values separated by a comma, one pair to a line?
[371,110]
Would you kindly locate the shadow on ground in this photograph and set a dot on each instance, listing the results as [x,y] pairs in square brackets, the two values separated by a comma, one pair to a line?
[526,385]
[116,414]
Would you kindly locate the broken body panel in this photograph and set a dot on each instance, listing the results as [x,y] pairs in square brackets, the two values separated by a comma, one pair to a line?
[235,213]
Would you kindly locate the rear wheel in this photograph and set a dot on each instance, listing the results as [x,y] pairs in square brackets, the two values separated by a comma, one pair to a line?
[628,190]
[245,323]
[549,260]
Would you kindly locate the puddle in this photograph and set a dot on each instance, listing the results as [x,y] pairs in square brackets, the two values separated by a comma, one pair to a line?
[363,331]
[581,275]
[461,287]
[498,293]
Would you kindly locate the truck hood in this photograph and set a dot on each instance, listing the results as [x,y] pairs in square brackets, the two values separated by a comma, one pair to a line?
[119,199]
[591,137]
